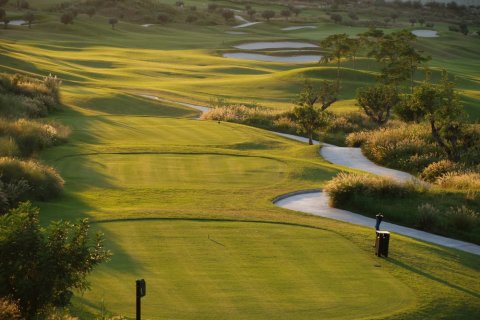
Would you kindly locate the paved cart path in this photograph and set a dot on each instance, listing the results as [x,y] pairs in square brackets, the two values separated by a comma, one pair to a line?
[316,202]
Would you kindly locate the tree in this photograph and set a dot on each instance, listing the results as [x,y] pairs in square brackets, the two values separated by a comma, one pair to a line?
[398,57]
[228,15]
[354,45]
[394,17]
[39,267]
[251,13]
[3,2]
[191,18]
[268,14]
[412,21]
[296,10]
[442,109]
[285,13]
[6,21]
[179,4]
[463,28]
[67,18]
[353,15]
[421,21]
[378,102]
[113,22]
[336,18]
[29,17]
[163,18]
[3,14]
[212,7]
[307,116]
[338,47]
[90,11]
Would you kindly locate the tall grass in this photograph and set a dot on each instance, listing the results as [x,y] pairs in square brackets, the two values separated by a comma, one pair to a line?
[28,179]
[407,204]
[256,116]
[346,186]
[406,147]
[25,137]
[26,97]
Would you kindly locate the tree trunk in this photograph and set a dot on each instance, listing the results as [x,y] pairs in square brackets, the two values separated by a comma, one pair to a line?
[310,138]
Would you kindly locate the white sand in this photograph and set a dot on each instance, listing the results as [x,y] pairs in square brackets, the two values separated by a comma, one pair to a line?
[275,45]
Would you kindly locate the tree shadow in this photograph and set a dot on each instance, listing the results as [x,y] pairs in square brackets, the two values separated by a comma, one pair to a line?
[432,277]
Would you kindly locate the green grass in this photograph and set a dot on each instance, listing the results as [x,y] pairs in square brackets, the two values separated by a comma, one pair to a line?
[130,159]
[243,271]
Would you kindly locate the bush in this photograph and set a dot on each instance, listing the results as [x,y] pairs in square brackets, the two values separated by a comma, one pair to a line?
[25,137]
[427,217]
[439,168]
[9,310]
[257,116]
[22,96]
[44,182]
[463,218]
[459,180]
[345,186]
[406,147]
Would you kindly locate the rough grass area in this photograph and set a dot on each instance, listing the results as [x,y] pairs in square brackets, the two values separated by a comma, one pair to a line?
[43,181]
[411,148]
[453,214]
[255,116]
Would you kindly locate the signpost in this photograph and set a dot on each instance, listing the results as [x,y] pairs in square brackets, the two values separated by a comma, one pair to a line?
[141,291]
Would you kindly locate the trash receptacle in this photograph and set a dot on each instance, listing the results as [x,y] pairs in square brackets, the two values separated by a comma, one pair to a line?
[381,243]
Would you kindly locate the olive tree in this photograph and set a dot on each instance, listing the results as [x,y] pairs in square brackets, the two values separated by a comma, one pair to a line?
[113,22]
[307,115]
[441,107]
[378,102]
[29,17]
[268,14]
[338,47]
[40,267]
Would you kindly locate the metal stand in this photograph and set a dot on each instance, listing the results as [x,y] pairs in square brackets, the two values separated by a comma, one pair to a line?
[140,292]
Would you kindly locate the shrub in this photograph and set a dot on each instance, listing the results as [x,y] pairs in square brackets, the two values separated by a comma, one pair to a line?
[12,193]
[439,168]
[22,96]
[460,180]
[345,186]
[257,116]
[427,217]
[463,218]
[9,310]
[406,147]
[26,137]
[44,182]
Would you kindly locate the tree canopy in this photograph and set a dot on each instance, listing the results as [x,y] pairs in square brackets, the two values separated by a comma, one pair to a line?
[39,267]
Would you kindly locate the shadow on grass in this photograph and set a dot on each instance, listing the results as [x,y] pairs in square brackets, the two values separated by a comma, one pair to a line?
[432,277]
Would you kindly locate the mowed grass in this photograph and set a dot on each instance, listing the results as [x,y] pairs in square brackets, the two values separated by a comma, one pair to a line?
[232,270]
[137,167]
[133,58]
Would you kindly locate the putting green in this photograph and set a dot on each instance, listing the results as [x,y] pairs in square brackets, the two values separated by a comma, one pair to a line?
[218,270]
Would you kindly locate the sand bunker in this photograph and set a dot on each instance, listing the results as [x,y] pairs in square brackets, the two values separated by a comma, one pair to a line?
[298,28]
[235,32]
[275,45]
[425,33]
[268,58]
[18,22]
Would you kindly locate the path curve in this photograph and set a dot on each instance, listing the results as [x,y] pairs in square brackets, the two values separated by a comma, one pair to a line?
[315,202]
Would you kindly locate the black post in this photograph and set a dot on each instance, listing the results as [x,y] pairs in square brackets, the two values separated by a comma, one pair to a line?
[140,292]
[139,306]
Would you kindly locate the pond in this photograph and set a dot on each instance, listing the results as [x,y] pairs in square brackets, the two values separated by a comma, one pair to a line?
[269,58]
[275,45]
